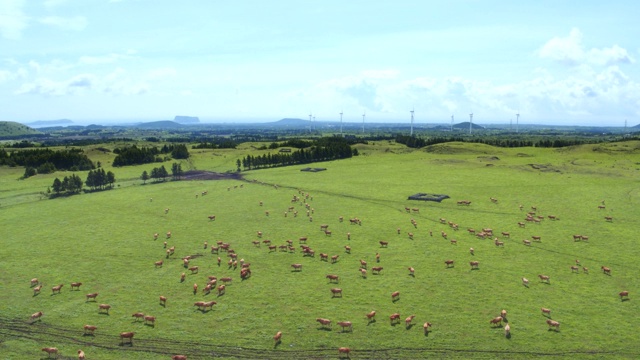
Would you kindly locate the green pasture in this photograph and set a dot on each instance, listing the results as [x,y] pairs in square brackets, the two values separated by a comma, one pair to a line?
[105,240]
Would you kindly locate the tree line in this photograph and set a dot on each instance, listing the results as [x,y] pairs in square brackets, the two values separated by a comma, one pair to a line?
[323,149]
[133,155]
[46,161]
[96,179]
[161,173]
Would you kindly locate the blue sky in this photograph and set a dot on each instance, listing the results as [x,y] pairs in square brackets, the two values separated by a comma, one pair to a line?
[554,62]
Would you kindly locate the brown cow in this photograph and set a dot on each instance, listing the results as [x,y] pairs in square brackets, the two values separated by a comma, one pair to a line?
[278,337]
[344,350]
[50,351]
[394,318]
[376,269]
[624,294]
[605,270]
[91,296]
[296,267]
[150,320]
[36,316]
[363,264]
[324,322]
[546,312]
[553,323]
[104,307]
[335,292]
[90,329]
[345,324]
[36,290]
[384,243]
[408,321]
[347,249]
[194,269]
[535,238]
[544,278]
[371,316]
[395,295]
[411,271]
[163,301]
[126,335]
[138,316]
[426,327]
[526,242]
[76,285]
[334,259]
[525,282]
[332,278]
[159,263]
[448,263]
[221,290]
[496,321]
[179,357]
[474,264]
[56,289]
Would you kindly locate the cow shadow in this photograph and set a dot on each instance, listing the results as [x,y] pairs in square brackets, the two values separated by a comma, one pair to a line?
[412,275]
[508,336]
[88,334]
[625,299]
[275,346]
[410,326]
[394,300]
[35,294]
[371,322]
[324,328]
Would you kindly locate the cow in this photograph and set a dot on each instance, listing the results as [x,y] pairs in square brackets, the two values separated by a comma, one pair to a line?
[334,259]
[608,218]
[179,357]
[332,278]
[411,271]
[345,324]
[408,321]
[76,285]
[324,256]
[496,321]
[278,337]
[384,243]
[535,238]
[393,318]
[574,269]
[194,269]
[335,292]
[36,316]
[324,322]
[521,224]
[526,242]
[525,282]
[376,270]
[544,278]
[448,263]
[50,351]
[363,264]
[56,289]
[363,273]
[474,264]
[150,320]
[395,296]
[553,323]
[426,327]
[104,307]
[36,290]
[605,270]
[344,350]
[221,290]
[347,249]
[90,329]
[296,267]
[624,294]
[371,316]
[163,300]
[126,335]
[91,296]
[546,312]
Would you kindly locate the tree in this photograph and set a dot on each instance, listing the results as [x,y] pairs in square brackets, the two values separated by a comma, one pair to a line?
[144,176]
[111,178]
[180,152]
[176,171]
[238,164]
[57,186]
[29,172]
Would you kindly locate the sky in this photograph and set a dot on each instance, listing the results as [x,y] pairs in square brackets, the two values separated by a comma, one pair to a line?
[98,61]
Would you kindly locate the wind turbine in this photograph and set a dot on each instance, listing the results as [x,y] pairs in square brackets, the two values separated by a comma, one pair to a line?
[340,122]
[363,115]
[517,119]
[313,123]
[310,122]
[451,124]
[412,110]
[470,122]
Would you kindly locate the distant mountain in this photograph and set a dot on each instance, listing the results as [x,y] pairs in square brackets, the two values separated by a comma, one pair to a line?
[465,126]
[636,127]
[291,122]
[58,122]
[10,128]
[165,124]
[186,119]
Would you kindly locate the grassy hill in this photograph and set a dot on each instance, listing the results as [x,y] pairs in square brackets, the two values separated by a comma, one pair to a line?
[10,128]
[105,240]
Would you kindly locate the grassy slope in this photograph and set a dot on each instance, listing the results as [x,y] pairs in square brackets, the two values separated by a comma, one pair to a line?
[10,128]
[104,240]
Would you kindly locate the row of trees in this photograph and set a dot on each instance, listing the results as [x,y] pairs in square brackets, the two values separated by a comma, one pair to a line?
[324,149]
[99,179]
[69,185]
[161,173]
[133,155]
[45,161]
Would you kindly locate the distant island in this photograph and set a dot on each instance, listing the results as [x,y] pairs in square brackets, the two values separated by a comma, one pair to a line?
[186,119]
[50,122]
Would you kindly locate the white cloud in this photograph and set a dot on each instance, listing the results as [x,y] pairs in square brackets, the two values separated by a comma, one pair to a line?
[104,59]
[48,87]
[12,19]
[54,3]
[76,23]
[569,50]
[161,73]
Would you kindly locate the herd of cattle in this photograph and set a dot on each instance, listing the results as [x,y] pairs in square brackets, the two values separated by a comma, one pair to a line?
[298,201]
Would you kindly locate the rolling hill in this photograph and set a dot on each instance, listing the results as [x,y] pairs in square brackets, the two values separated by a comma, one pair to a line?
[10,129]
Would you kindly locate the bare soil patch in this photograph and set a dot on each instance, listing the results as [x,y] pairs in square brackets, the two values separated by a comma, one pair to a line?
[209,175]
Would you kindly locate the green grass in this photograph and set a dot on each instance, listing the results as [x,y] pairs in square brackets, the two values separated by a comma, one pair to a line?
[105,241]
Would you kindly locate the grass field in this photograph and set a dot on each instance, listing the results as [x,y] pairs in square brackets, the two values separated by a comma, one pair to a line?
[105,240]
